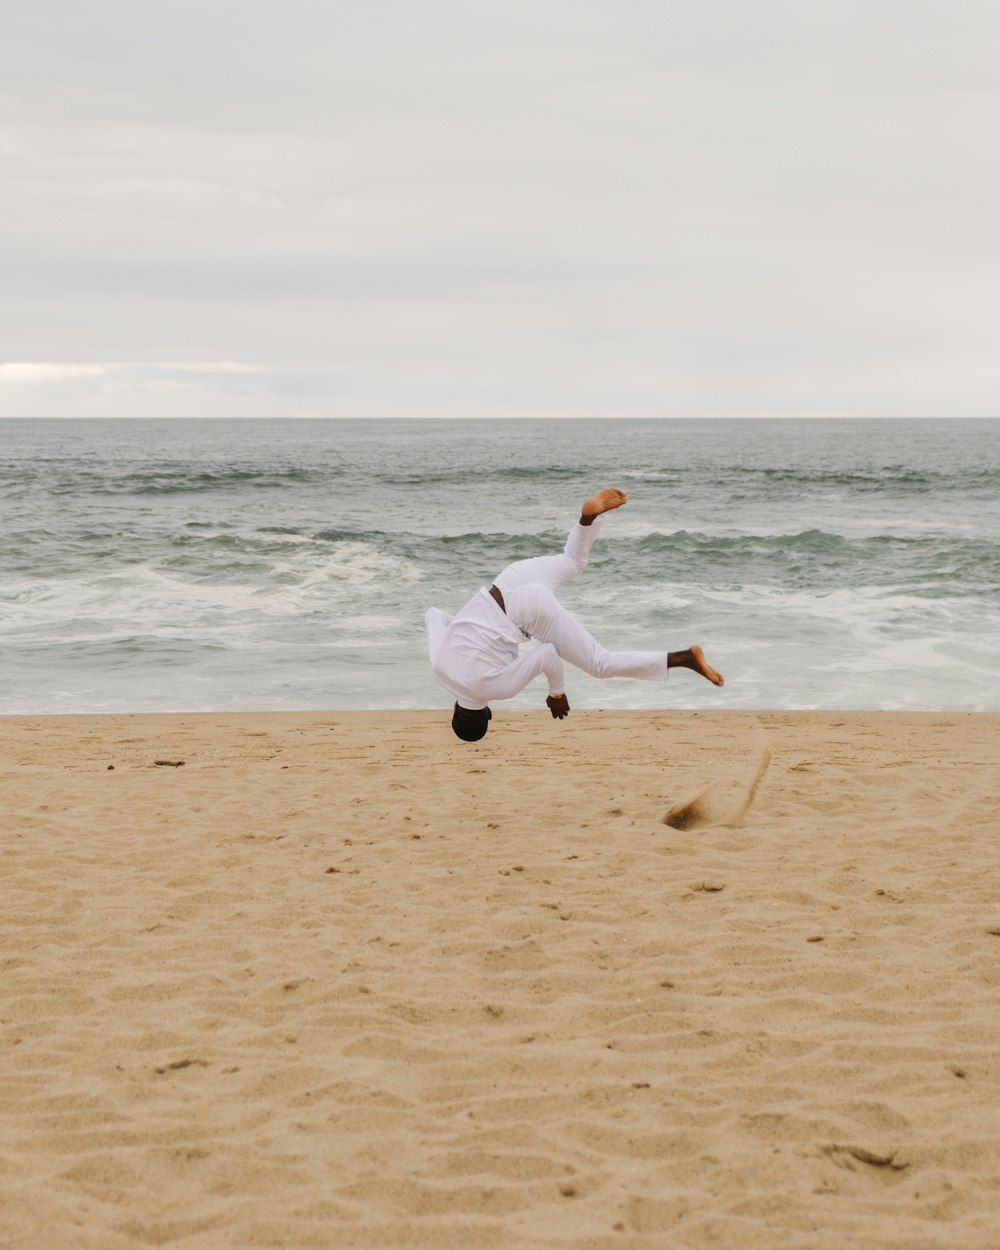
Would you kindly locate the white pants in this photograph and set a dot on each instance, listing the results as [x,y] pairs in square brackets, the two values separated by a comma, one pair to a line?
[527,587]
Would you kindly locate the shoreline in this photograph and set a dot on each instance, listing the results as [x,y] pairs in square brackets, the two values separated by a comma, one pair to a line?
[341,979]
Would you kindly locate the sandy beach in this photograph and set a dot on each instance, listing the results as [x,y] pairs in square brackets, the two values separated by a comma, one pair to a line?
[337,980]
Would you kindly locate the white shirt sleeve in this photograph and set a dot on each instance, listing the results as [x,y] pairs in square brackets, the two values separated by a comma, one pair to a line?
[512,680]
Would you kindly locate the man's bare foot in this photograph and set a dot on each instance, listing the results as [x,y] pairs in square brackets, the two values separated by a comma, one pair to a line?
[694,659]
[603,501]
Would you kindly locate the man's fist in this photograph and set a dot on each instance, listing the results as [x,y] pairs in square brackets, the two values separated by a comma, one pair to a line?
[558,705]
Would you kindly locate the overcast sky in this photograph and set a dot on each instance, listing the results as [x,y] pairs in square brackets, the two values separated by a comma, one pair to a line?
[554,208]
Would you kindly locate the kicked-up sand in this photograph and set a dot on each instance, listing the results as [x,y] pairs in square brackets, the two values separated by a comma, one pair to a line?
[343,981]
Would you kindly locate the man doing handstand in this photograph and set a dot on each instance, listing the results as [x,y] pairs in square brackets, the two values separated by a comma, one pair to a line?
[474,654]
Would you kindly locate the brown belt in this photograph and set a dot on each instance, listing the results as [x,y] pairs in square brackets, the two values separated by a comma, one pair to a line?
[499,598]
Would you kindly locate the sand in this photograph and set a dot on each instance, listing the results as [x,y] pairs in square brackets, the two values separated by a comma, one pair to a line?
[341,981]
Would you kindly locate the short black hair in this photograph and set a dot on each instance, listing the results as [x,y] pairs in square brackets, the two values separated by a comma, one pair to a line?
[471,725]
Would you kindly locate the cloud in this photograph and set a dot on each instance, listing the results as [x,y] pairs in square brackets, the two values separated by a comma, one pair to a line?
[47,371]
[561,207]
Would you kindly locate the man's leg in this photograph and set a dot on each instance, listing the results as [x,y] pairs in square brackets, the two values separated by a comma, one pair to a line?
[537,611]
[553,571]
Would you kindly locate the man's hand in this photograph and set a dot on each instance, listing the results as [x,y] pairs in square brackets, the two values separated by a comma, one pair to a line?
[558,705]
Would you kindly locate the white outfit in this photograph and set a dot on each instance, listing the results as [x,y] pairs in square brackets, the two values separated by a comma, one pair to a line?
[474,654]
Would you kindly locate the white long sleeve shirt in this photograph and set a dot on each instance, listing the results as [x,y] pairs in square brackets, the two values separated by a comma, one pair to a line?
[474,654]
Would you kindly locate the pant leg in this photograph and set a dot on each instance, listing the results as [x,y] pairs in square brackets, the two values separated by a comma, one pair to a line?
[536,610]
[552,571]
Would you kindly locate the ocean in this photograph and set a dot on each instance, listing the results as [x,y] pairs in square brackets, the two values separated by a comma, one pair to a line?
[227,565]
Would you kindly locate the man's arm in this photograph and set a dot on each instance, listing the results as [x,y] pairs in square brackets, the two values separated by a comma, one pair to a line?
[512,680]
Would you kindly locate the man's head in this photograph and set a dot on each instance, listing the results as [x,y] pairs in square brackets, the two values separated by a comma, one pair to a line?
[470,725]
